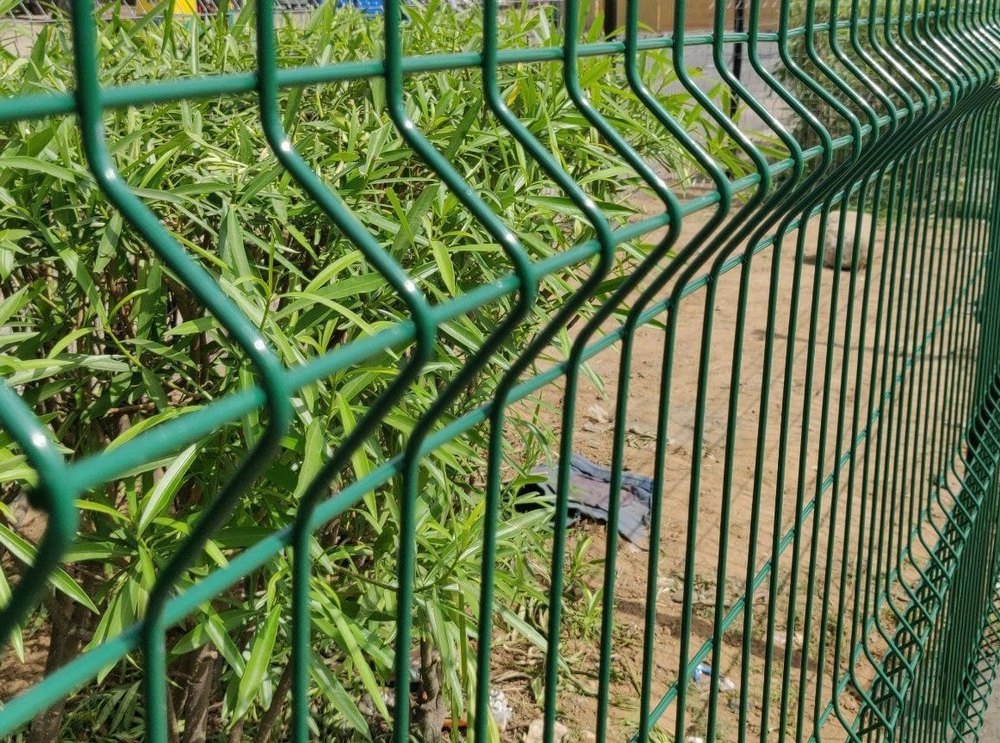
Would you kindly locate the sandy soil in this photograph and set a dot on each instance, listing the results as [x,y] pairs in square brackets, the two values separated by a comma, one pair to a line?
[716,519]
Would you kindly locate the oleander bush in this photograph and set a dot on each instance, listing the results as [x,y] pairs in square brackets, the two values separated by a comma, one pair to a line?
[104,343]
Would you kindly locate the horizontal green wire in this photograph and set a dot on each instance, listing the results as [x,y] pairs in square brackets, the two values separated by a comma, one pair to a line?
[173,435]
[163,439]
[740,604]
[24,108]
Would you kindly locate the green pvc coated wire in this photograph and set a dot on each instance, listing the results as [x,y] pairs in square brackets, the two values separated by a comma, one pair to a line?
[277,394]
[526,295]
[340,214]
[905,490]
[524,360]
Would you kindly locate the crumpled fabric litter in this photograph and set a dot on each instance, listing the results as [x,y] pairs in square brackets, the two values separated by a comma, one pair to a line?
[590,495]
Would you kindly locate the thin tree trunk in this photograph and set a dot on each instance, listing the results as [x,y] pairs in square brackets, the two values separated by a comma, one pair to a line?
[236,734]
[172,734]
[64,644]
[201,683]
[430,712]
[270,718]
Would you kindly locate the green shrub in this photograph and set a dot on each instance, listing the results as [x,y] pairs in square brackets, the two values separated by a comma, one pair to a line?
[104,343]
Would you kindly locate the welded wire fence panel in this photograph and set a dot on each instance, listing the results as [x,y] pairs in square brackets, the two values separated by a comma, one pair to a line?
[304,325]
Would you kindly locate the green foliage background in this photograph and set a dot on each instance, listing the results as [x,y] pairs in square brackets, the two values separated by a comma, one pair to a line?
[104,343]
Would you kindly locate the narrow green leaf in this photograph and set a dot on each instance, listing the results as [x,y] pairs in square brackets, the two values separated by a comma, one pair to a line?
[233,250]
[13,304]
[445,267]
[165,488]
[96,507]
[332,689]
[359,458]
[24,551]
[260,657]
[193,327]
[15,635]
[34,164]
[217,633]
[361,667]
[312,458]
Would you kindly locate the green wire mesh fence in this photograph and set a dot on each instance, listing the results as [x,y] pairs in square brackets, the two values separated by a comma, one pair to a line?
[823,400]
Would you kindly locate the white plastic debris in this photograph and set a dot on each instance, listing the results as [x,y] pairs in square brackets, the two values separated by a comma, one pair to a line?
[723,682]
[780,638]
[500,708]
[726,684]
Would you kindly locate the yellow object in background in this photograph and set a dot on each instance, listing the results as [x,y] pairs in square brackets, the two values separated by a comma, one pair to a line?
[180,6]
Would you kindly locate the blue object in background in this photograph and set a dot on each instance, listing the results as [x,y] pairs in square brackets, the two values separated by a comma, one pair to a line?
[368,7]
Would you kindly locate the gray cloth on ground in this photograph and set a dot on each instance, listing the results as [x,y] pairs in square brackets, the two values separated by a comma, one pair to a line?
[590,495]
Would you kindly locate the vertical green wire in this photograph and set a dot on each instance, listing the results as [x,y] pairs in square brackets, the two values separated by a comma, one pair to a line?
[942,281]
[898,413]
[929,673]
[631,323]
[878,178]
[937,565]
[897,72]
[504,389]
[905,344]
[646,267]
[527,292]
[797,529]
[837,447]
[731,432]
[964,598]
[815,178]
[248,337]
[911,53]
[886,256]
[935,165]
[869,502]
[871,86]
[932,596]
[665,378]
[773,207]
[776,206]
[944,349]
[974,54]
[571,82]
[957,639]
[647,716]
[734,387]
[340,215]
[914,600]
[889,681]
[768,356]
[54,494]
[624,374]
[885,438]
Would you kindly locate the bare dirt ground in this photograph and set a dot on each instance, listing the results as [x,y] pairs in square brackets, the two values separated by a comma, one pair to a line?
[715,518]
[713,515]
[991,726]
